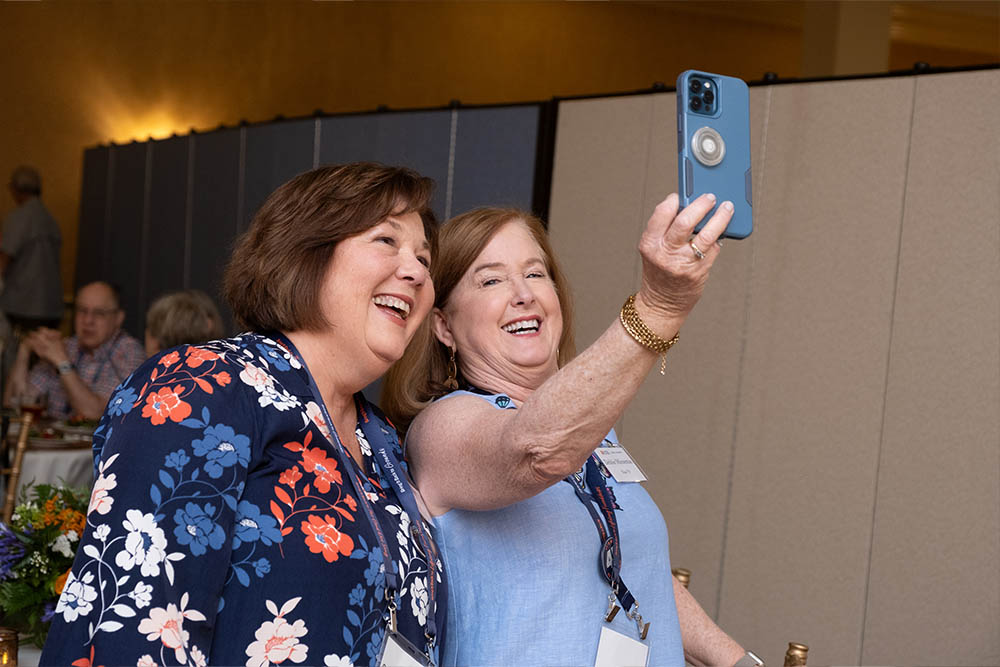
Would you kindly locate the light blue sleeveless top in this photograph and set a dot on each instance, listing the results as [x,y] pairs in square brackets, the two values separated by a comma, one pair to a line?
[525,587]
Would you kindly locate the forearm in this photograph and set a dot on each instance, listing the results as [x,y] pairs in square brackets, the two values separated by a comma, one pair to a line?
[704,642]
[18,377]
[573,410]
[84,401]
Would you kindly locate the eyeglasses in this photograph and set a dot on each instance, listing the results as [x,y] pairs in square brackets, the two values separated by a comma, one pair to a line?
[96,312]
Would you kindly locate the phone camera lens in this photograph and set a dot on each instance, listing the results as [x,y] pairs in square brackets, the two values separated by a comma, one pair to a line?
[695,103]
[709,97]
[695,86]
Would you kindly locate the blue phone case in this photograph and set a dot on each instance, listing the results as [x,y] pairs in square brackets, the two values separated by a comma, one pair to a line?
[713,145]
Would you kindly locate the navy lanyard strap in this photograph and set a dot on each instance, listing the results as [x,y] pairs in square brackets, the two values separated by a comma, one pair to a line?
[380,442]
[611,555]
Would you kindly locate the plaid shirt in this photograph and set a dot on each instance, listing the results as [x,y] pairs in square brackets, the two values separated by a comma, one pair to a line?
[102,370]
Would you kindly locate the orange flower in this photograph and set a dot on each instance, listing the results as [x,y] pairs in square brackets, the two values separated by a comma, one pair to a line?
[170,359]
[323,537]
[166,403]
[60,583]
[197,356]
[314,460]
[222,378]
[290,476]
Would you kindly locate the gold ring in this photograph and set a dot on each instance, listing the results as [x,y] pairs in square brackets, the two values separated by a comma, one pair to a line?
[698,254]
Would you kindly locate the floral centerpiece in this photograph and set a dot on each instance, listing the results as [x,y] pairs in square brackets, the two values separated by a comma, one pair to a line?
[36,552]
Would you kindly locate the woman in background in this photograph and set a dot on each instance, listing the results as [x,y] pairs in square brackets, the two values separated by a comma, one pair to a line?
[554,558]
[176,318]
[249,507]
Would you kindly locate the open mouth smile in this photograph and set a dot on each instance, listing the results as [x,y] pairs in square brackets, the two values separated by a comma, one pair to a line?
[393,304]
[522,327]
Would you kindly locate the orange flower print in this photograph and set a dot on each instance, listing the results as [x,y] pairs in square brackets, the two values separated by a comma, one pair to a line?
[166,403]
[323,537]
[170,359]
[314,460]
[222,378]
[196,356]
[290,476]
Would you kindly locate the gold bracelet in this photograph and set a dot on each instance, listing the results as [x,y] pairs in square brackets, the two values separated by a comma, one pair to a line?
[645,336]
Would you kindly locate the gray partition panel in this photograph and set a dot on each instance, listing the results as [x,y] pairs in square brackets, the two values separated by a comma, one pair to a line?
[274,153]
[215,201]
[934,596]
[163,268]
[419,140]
[128,207]
[90,239]
[494,157]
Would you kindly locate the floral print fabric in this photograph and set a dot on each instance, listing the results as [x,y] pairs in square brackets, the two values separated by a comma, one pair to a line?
[223,527]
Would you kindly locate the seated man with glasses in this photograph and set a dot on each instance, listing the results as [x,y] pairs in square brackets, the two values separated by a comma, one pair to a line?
[78,374]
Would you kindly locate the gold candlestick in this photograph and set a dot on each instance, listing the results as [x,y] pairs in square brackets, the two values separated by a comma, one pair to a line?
[795,656]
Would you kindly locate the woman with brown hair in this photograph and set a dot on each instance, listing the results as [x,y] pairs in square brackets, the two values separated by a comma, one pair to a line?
[251,506]
[512,447]
[182,317]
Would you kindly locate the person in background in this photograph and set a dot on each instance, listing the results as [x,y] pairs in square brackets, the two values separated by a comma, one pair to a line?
[188,316]
[555,555]
[251,507]
[78,374]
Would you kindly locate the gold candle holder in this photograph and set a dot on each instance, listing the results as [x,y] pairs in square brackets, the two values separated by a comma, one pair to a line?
[8,647]
[796,655]
[683,575]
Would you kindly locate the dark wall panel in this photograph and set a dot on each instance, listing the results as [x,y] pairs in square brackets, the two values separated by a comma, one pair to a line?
[93,211]
[124,260]
[418,139]
[494,157]
[215,203]
[165,235]
[274,153]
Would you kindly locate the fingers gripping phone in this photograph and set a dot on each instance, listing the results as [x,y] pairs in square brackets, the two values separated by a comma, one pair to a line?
[713,145]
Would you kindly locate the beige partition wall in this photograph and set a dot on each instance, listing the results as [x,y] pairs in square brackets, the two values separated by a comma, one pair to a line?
[826,444]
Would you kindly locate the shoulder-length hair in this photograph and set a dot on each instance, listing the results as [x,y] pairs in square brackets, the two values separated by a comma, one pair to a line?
[274,277]
[418,377]
[187,316]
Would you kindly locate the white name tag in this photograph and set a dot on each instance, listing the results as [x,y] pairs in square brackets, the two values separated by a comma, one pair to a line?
[620,464]
[617,650]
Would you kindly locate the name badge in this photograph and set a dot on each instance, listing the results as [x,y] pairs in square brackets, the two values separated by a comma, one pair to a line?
[398,651]
[617,650]
[620,464]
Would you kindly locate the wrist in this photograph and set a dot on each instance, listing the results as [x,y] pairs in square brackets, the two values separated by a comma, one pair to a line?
[661,320]
[65,367]
[749,659]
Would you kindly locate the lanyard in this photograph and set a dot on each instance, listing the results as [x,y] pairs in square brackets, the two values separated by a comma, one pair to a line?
[381,440]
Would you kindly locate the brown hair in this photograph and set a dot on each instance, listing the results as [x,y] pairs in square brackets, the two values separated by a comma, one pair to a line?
[274,277]
[188,316]
[418,377]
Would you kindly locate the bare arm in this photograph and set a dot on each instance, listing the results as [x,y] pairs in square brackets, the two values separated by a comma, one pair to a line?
[48,344]
[17,380]
[466,454]
[705,644]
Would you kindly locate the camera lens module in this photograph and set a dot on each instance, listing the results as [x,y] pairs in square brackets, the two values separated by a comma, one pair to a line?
[695,86]
[709,97]
[695,103]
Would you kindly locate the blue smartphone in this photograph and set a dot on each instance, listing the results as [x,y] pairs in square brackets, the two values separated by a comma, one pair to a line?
[713,145]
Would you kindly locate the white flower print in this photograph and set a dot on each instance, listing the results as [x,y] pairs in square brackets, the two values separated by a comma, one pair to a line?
[315,415]
[102,532]
[76,597]
[146,661]
[197,657]
[366,447]
[100,498]
[167,625]
[144,546]
[262,381]
[142,594]
[277,640]
[336,661]
[418,599]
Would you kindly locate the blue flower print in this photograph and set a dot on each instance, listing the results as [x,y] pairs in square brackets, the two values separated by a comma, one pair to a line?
[223,448]
[375,644]
[122,402]
[195,526]
[251,526]
[357,596]
[261,567]
[274,356]
[374,575]
[177,460]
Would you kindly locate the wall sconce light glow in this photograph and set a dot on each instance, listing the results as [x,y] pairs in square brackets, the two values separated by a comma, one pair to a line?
[151,124]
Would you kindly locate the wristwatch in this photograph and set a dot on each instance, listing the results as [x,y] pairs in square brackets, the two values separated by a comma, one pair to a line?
[749,659]
[65,367]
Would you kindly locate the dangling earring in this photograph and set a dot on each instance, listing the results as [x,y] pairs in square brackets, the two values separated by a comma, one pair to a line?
[452,381]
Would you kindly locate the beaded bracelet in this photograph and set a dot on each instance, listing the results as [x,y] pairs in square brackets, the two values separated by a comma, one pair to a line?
[643,335]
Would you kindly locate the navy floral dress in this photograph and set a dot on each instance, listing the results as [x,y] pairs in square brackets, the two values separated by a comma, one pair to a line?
[223,527]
